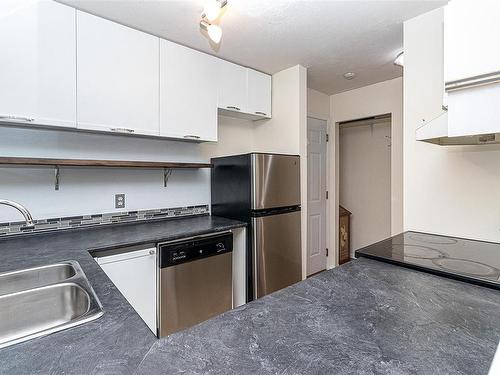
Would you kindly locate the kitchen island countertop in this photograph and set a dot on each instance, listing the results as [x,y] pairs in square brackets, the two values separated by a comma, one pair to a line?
[364,317]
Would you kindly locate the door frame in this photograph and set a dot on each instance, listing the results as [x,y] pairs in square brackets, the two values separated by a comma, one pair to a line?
[330,246]
[365,121]
[396,173]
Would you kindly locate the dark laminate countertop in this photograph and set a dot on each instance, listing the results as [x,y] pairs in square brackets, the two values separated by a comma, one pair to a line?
[118,341]
[361,318]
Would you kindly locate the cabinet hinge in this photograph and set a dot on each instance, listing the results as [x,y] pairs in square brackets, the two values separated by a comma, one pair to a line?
[327,194]
[327,137]
[326,251]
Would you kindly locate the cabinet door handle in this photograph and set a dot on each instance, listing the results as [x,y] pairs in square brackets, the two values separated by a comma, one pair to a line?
[191,137]
[122,130]
[152,252]
[233,107]
[261,113]
[13,117]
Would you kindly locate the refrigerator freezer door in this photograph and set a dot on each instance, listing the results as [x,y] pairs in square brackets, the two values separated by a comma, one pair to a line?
[275,181]
[276,252]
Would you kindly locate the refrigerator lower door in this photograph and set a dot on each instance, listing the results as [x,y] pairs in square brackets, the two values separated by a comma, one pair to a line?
[277,254]
[275,181]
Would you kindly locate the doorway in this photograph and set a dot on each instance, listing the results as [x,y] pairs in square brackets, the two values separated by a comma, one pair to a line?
[316,195]
[365,178]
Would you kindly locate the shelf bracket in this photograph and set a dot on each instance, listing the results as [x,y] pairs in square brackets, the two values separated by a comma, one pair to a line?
[167,172]
[56,177]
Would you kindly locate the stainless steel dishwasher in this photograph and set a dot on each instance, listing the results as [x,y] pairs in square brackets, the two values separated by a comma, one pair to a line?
[195,280]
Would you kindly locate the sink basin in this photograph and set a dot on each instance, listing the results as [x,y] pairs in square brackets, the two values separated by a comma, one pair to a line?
[43,300]
[16,281]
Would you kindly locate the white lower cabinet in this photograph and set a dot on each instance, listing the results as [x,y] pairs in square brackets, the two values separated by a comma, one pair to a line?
[134,274]
[37,63]
[117,77]
[188,93]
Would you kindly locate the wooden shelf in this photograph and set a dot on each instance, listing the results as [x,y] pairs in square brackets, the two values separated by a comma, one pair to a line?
[56,163]
[100,163]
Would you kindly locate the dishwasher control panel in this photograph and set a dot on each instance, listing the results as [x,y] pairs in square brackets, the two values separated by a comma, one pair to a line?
[186,250]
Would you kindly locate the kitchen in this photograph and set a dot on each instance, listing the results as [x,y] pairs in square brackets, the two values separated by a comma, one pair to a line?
[158,176]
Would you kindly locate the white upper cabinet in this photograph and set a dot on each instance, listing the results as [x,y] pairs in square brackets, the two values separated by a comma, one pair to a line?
[233,92]
[243,93]
[472,36]
[60,67]
[117,77]
[259,93]
[188,93]
[37,63]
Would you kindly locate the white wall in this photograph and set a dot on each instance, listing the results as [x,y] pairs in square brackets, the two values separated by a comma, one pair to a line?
[380,98]
[236,136]
[281,134]
[318,104]
[286,132]
[365,181]
[91,190]
[451,190]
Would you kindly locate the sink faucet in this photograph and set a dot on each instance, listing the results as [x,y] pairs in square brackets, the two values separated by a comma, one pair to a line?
[23,210]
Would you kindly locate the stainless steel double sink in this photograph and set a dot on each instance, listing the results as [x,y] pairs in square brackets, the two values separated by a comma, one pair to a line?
[42,300]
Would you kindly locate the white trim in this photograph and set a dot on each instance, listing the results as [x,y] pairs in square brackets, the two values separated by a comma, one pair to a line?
[331,250]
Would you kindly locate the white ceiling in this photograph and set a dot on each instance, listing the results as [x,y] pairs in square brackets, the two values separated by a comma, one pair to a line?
[326,36]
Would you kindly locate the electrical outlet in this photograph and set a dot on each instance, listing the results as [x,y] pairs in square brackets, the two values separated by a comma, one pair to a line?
[119,200]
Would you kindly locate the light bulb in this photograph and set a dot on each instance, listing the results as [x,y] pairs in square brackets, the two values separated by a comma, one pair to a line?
[211,10]
[215,33]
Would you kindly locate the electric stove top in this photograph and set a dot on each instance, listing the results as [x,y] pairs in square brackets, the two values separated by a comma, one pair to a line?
[473,261]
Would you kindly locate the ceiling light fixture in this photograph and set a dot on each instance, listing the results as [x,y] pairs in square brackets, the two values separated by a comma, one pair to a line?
[212,9]
[349,75]
[211,12]
[214,31]
[399,61]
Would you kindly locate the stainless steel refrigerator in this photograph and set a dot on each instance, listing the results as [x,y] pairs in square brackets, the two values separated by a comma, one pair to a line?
[264,191]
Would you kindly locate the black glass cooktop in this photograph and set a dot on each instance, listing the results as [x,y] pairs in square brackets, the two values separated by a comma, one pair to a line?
[467,260]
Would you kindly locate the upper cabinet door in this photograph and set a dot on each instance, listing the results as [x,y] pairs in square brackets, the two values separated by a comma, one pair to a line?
[117,77]
[233,95]
[259,93]
[188,93]
[37,63]
[472,31]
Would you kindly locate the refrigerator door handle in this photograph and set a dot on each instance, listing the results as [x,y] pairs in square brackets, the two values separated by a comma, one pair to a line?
[254,257]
